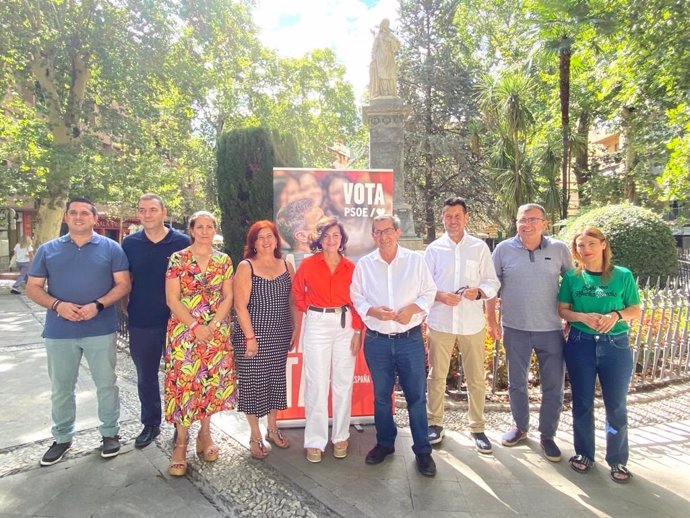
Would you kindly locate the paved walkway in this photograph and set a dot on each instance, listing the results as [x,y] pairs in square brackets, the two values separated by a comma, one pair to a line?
[515,481]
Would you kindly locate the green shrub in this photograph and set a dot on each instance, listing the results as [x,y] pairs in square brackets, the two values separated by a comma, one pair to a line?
[246,158]
[640,240]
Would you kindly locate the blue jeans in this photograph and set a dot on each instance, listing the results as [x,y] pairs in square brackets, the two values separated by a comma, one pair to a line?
[548,345]
[384,357]
[64,356]
[23,274]
[609,357]
[146,345]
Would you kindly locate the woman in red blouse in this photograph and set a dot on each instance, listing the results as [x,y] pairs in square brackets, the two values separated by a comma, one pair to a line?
[332,337]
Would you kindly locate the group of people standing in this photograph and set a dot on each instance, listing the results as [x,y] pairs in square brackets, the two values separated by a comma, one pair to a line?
[181,293]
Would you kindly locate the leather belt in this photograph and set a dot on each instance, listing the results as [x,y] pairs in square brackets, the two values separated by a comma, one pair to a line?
[340,309]
[395,336]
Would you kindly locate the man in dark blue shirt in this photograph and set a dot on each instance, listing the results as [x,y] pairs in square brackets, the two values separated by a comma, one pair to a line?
[86,275]
[148,252]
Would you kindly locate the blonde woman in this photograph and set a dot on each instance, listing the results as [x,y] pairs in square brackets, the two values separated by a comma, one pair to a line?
[23,255]
[598,299]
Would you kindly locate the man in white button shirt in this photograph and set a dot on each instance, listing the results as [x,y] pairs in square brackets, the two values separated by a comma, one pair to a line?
[392,289]
[464,274]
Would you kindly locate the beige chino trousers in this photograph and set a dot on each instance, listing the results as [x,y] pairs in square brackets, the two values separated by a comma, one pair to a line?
[471,347]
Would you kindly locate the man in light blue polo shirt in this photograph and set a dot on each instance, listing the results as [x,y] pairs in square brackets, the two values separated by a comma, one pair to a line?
[529,267]
[86,275]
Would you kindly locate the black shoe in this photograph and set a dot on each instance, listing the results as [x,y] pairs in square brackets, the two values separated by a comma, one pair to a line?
[481,441]
[378,453]
[435,434]
[55,453]
[551,451]
[15,291]
[147,435]
[110,447]
[426,465]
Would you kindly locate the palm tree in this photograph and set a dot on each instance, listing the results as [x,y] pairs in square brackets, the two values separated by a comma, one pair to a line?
[561,24]
[505,109]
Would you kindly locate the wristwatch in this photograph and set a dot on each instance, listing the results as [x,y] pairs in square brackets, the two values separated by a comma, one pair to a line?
[99,306]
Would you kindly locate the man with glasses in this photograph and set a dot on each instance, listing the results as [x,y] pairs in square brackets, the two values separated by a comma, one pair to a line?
[465,276]
[79,277]
[148,252]
[529,267]
[392,289]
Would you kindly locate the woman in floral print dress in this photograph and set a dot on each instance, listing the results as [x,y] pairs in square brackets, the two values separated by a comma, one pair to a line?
[199,360]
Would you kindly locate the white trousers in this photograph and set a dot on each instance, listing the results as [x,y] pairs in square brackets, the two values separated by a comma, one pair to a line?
[327,360]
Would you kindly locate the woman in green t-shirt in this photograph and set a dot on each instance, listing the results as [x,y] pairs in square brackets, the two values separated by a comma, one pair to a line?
[598,299]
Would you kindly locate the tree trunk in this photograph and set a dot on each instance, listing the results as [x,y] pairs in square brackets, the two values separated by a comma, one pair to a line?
[630,186]
[581,169]
[564,93]
[64,112]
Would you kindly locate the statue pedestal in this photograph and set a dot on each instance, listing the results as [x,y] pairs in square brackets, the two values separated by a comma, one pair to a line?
[385,117]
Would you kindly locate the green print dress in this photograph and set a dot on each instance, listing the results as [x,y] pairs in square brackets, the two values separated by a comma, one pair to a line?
[200,379]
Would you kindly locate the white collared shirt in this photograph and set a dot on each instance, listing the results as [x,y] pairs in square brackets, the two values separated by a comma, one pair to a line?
[456,265]
[406,280]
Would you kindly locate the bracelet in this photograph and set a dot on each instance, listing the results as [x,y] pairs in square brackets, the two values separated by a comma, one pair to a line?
[56,303]
[358,331]
[253,337]
[193,325]
[620,316]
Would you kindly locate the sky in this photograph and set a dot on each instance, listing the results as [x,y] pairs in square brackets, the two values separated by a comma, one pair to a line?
[295,27]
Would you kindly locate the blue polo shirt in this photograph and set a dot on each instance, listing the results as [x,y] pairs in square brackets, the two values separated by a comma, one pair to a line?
[147,263]
[79,274]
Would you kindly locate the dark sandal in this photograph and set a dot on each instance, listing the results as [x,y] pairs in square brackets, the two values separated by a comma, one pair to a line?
[584,463]
[620,469]
[280,440]
[261,453]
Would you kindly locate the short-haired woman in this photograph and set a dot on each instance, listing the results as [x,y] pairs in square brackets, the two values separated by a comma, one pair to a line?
[599,299]
[332,337]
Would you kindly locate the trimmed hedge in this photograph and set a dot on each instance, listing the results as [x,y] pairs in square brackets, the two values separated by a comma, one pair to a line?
[639,238]
[246,158]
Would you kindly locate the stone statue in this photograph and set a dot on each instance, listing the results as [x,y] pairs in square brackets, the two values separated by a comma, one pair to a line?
[383,72]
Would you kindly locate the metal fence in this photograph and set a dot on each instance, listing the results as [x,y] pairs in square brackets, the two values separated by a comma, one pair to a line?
[661,337]
[684,267]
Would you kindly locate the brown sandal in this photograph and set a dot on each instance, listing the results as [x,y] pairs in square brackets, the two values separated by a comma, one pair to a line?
[276,437]
[178,468]
[210,452]
[260,452]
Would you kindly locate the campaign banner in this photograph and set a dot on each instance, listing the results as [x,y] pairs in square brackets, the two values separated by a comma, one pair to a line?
[301,197]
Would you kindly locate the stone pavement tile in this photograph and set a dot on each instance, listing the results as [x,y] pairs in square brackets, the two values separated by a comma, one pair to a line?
[127,485]
[443,514]
[429,494]
[444,470]
[377,498]
[18,325]
[491,498]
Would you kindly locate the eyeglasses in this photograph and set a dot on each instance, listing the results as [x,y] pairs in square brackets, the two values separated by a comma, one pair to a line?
[529,221]
[385,232]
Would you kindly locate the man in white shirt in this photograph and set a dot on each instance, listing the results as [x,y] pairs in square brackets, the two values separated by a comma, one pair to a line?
[464,274]
[392,289]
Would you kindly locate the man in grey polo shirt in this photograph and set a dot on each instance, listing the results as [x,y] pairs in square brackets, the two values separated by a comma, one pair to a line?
[86,275]
[529,267]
